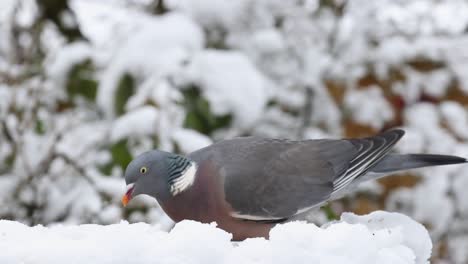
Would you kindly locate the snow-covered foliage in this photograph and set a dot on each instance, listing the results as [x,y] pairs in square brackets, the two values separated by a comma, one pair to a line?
[376,238]
[87,85]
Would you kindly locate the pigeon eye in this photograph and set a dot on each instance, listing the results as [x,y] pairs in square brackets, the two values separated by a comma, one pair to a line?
[143,170]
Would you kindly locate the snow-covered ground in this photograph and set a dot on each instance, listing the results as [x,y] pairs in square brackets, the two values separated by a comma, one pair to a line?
[379,237]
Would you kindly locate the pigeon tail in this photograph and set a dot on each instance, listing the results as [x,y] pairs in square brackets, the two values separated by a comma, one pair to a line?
[398,162]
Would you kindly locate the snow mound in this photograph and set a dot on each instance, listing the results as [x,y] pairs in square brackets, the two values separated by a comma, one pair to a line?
[379,237]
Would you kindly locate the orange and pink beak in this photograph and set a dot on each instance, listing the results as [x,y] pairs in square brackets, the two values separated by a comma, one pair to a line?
[128,194]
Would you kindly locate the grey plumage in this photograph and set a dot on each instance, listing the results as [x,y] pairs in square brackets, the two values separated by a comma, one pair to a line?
[273,180]
[284,177]
[398,162]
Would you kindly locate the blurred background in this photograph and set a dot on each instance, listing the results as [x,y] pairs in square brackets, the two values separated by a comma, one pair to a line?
[87,85]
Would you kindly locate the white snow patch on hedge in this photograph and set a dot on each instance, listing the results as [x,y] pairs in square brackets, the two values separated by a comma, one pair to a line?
[230,83]
[375,112]
[379,237]
[141,121]
[189,140]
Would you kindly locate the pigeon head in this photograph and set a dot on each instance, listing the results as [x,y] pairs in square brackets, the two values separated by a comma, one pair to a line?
[158,174]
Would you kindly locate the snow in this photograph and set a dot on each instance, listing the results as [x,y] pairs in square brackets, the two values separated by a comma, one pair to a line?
[456,118]
[151,45]
[227,79]
[268,41]
[211,12]
[139,122]
[380,237]
[5,9]
[414,233]
[90,135]
[457,247]
[189,140]
[65,59]
[460,183]
[375,112]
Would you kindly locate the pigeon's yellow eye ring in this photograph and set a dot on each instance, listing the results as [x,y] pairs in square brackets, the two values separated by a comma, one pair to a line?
[143,170]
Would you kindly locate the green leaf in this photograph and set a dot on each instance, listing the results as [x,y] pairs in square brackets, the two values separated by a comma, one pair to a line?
[125,89]
[120,157]
[39,128]
[120,154]
[199,116]
[331,215]
[10,160]
[81,81]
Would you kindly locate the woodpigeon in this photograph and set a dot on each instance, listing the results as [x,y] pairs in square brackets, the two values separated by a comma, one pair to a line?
[248,184]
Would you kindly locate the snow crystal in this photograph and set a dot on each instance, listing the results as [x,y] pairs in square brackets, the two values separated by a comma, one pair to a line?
[376,238]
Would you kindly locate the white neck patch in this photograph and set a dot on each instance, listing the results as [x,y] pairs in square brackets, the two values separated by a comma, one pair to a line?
[185,180]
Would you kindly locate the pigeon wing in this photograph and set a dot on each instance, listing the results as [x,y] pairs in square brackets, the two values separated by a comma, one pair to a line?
[272,179]
[275,179]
